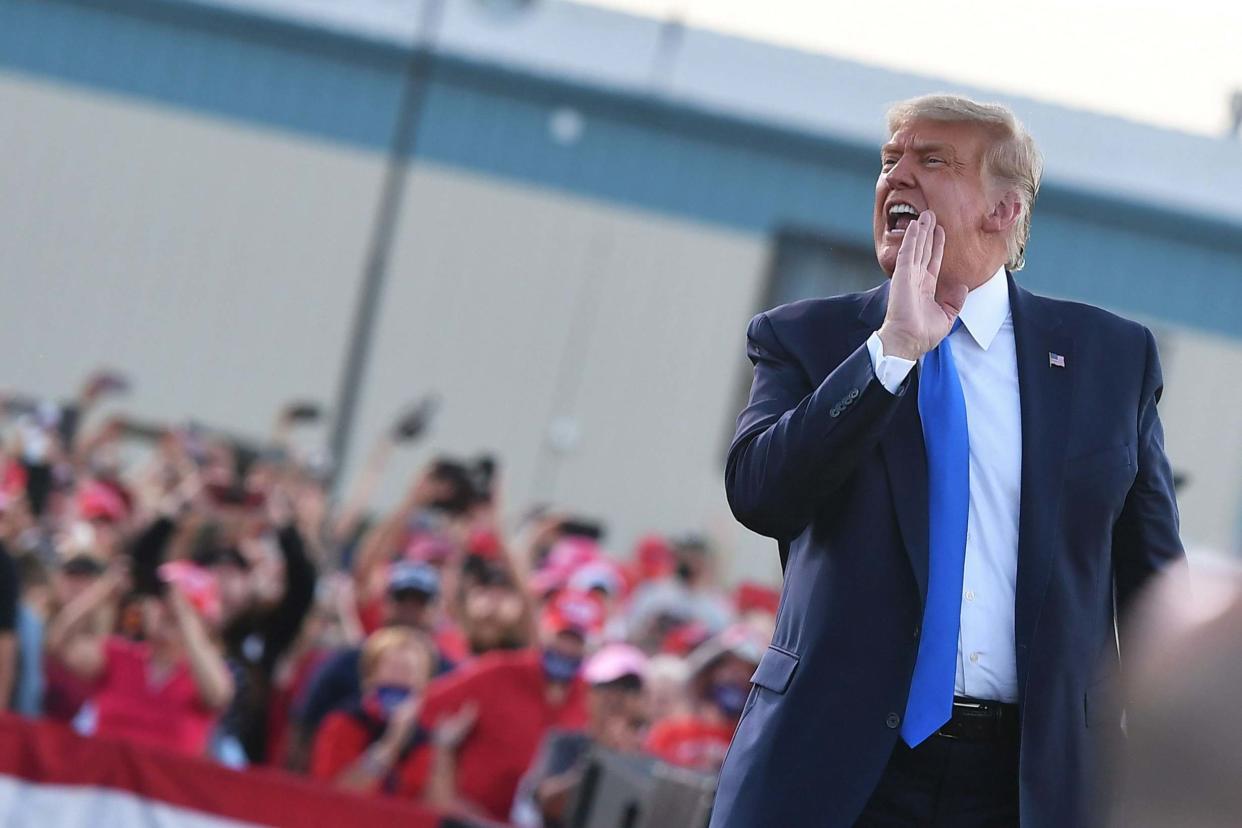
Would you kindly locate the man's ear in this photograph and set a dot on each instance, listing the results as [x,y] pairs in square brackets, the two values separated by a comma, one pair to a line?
[1004,214]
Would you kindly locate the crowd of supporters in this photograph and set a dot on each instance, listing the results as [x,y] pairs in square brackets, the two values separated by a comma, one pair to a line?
[186,590]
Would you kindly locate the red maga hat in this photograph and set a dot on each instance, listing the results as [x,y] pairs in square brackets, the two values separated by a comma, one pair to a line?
[574,612]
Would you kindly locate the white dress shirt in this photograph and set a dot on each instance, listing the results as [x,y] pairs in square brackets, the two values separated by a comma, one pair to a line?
[987,364]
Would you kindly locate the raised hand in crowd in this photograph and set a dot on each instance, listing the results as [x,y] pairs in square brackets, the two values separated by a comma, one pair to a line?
[73,637]
[378,761]
[211,674]
[447,735]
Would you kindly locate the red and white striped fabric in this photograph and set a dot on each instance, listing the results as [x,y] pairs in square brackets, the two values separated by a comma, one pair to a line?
[51,776]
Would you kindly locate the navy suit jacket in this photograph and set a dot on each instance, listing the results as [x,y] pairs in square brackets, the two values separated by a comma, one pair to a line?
[833,466]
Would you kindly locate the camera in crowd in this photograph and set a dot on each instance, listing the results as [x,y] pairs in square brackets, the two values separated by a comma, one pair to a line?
[470,482]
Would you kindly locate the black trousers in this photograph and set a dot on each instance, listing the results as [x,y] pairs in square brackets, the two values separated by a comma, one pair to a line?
[947,783]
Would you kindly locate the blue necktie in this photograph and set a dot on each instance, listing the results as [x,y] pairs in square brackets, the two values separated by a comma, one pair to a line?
[942,409]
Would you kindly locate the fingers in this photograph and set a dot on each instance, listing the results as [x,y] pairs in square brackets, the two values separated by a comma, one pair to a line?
[931,242]
[411,707]
[914,265]
[937,252]
[465,715]
[406,713]
[924,224]
[452,728]
[907,254]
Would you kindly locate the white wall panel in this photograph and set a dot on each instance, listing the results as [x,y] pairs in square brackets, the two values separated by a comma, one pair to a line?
[216,264]
[1203,434]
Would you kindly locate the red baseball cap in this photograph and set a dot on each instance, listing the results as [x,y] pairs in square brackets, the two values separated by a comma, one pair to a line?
[485,544]
[752,596]
[99,501]
[653,558]
[574,612]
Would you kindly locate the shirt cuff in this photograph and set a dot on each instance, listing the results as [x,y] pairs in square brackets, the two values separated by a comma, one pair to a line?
[891,371]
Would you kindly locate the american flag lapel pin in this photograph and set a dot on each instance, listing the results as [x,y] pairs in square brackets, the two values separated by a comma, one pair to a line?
[1055,360]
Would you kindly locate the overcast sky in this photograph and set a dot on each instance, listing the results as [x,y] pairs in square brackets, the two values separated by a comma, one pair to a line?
[1168,62]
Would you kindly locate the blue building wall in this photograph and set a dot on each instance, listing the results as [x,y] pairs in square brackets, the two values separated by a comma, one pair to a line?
[638,152]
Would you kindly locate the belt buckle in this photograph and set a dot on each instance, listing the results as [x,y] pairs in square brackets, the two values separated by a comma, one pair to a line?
[963,705]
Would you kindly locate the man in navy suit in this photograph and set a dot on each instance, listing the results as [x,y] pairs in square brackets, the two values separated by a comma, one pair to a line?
[968,485]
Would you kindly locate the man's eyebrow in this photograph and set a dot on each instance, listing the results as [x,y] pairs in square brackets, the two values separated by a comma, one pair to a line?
[921,147]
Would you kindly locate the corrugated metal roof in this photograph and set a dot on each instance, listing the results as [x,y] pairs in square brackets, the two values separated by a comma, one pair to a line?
[812,93]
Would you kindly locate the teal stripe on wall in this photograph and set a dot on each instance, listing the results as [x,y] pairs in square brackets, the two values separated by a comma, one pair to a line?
[207,70]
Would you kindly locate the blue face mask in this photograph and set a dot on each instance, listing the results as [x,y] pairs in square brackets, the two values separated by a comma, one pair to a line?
[560,667]
[730,698]
[387,697]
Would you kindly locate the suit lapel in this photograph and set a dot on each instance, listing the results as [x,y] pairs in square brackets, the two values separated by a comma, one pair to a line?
[905,459]
[1046,392]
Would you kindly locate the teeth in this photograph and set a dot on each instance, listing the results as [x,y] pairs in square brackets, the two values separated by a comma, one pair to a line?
[898,209]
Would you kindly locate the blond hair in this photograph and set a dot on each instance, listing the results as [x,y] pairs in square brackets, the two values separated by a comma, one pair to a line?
[385,640]
[1012,160]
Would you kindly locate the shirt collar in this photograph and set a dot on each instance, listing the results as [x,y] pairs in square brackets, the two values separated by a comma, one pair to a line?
[986,309]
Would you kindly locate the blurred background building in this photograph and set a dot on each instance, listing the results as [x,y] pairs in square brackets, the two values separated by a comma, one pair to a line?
[586,208]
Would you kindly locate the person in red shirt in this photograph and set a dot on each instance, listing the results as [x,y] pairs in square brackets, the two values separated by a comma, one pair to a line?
[504,703]
[65,692]
[370,746]
[166,691]
[720,669]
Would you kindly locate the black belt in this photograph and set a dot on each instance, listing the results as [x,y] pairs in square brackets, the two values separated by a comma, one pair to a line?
[978,720]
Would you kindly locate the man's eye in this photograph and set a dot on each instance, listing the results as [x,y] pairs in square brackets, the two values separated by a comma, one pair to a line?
[934,160]
[886,163]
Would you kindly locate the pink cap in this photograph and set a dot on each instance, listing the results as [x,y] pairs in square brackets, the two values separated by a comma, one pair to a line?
[99,501]
[572,552]
[566,557]
[614,661]
[428,548]
[197,584]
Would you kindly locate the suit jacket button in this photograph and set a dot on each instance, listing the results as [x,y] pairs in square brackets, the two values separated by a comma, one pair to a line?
[835,412]
[853,393]
[892,721]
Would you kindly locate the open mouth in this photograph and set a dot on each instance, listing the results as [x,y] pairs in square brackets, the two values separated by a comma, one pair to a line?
[899,217]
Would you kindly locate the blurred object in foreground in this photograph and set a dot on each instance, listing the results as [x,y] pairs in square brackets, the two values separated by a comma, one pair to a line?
[54,777]
[620,789]
[1183,761]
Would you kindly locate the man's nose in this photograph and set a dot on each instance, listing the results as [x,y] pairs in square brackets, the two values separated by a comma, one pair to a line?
[901,175]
